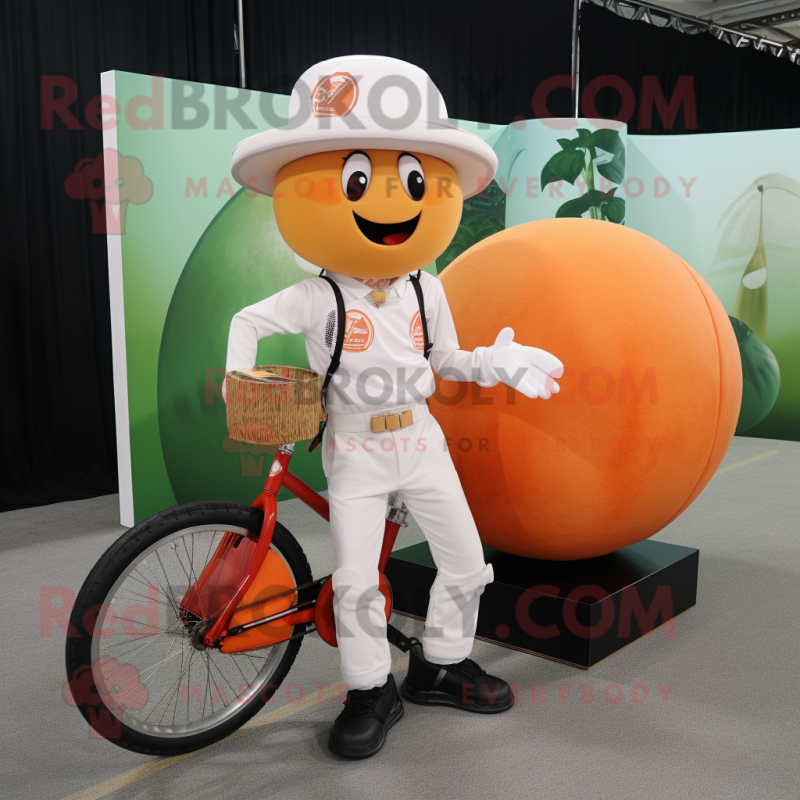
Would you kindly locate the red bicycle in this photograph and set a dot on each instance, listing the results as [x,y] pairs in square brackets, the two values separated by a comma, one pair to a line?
[188,624]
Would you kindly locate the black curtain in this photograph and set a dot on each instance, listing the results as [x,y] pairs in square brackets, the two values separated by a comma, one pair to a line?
[734,89]
[56,403]
[487,58]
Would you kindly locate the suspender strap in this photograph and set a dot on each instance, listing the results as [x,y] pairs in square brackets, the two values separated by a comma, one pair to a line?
[340,322]
[421,301]
[337,353]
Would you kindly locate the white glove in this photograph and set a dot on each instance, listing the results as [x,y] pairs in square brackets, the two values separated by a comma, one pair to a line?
[527,369]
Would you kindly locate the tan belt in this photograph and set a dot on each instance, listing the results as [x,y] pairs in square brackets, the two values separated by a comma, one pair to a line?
[391,422]
[364,421]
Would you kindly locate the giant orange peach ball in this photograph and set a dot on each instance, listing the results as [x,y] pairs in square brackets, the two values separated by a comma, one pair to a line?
[648,402]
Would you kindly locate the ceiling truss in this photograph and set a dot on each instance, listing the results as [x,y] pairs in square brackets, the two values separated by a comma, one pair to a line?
[782,28]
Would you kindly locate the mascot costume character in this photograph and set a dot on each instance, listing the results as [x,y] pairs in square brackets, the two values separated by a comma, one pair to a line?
[367,180]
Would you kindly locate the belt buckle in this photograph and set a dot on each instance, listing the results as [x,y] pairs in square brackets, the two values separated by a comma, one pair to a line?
[391,422]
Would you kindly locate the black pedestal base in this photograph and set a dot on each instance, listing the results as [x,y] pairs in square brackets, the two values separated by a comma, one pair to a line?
[578,612]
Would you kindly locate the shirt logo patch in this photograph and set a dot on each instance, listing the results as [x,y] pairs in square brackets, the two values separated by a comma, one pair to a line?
[358,332]
[335,95]
[415,332]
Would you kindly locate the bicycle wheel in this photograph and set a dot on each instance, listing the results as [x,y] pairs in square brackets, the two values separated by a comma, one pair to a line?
[147,687]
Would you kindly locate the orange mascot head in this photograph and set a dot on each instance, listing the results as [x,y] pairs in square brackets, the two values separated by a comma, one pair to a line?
[368,177]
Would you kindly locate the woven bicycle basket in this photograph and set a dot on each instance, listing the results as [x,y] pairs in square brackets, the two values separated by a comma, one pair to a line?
[273,404]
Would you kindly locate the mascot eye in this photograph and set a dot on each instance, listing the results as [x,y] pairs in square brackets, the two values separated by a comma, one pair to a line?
[411,176]
[355,175]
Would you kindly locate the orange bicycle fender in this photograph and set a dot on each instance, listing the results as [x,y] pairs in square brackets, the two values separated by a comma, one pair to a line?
[273,578]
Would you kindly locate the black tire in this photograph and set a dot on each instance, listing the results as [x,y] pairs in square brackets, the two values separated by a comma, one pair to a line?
[109,719]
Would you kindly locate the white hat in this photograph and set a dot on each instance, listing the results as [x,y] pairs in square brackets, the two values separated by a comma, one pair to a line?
[364,101]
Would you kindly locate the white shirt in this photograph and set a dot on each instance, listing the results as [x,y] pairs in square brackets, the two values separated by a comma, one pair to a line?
[382,364]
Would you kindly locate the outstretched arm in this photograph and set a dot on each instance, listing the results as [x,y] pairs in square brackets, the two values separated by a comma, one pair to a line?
[448,360]
[527,369]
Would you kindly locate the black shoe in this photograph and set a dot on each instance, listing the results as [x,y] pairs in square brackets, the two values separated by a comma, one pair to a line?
[462,685]
[360,730]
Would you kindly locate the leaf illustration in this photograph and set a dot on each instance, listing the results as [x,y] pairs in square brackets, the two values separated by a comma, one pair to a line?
[566,165]
[614,210]
[614,170]
[597,197]
[574,208]
[606,139]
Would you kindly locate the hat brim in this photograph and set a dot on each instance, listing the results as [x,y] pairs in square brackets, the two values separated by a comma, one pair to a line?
[257,160]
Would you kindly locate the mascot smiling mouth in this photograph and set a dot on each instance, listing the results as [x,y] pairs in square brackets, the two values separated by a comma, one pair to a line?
[391,233]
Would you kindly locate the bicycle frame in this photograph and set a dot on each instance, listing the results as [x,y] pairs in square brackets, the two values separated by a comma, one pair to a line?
[281,476]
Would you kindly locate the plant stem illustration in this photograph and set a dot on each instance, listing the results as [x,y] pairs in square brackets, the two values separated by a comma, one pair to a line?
[591,153]
[751,301]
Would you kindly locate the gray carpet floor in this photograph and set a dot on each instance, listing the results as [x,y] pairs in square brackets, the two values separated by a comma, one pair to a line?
[728,728]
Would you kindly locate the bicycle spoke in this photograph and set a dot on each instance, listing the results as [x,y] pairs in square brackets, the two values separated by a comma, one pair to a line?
[222,675]
[176,683]
[152,666]
[250,655]
[208,677]
[236,663]
[168,693]
[189,683]
[158,671]
[141,579]
[133,639]
[255,666]
[155,582]
[152,639]
[174,548]
[175,603]
[180,675]
[138,595]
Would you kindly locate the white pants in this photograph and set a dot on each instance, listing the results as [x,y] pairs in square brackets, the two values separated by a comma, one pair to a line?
[362,469]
